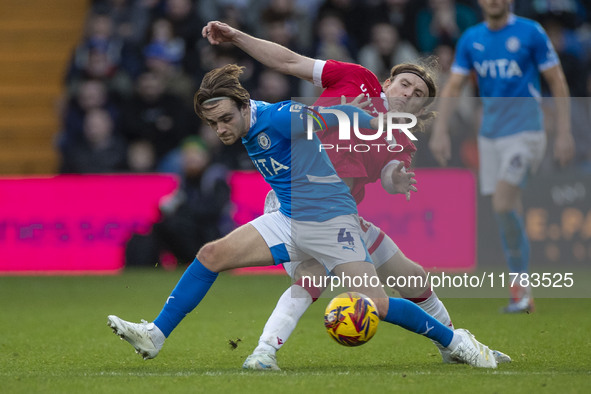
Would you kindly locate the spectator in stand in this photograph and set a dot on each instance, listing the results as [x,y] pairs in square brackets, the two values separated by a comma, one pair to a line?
[141,157]
[285,18]
[90,94]
[130,18]
[161,32]
[98,56]
[333,40]
[232,12]
[569,49]
[401,14]
[572,57]
[164,55]
[197,213]
[100,151]
[157,117]
[185,24]
[353,15]
[272,87]
[442,21]
[385,50]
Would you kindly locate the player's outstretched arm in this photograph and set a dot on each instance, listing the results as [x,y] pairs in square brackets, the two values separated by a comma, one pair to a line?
[268,53]
[440,143]
[564,145]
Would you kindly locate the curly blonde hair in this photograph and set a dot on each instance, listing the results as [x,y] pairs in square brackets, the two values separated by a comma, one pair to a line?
[426,69]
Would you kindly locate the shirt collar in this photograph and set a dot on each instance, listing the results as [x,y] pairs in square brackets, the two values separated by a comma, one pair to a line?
[510,21]
[253,113]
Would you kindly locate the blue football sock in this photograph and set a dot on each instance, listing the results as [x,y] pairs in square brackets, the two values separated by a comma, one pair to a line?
[514,241]
[187,294]
[410,316]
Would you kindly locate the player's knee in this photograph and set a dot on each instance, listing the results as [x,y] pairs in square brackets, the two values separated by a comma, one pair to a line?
[501,205]
[209,255]
[505,198]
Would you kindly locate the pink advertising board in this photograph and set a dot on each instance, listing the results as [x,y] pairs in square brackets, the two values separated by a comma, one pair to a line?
[436,228]
[79,224]
[75,224]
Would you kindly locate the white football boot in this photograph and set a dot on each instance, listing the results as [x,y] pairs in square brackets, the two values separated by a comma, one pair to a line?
[501,357]
[447,358]
[470,351]
[261,361]
[146,338]
[521,300]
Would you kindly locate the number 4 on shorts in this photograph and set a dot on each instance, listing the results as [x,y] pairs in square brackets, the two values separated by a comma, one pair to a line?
[345,236]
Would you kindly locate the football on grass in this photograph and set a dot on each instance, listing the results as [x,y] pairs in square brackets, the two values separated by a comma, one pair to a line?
[351,319]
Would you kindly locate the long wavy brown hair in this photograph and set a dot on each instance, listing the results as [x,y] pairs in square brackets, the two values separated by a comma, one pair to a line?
[221,82]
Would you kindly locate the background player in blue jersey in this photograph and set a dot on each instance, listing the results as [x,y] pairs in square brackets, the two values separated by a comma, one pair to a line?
[317,219]
[508,54]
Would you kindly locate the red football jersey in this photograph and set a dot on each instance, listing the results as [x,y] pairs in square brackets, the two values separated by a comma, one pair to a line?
[351,80]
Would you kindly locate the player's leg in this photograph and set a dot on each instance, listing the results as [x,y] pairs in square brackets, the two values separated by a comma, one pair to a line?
[518,155]
[308,277]
[243,247]
[464,348]
[506,203]
[338,246]
[400,273]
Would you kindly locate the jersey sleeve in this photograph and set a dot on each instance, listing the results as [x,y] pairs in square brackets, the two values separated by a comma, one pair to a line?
[331,72]
[291,118]
[544,54]
[462,63]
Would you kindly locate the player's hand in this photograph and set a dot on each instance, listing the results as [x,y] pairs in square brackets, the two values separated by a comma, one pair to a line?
[403,181]
[440,145]
[218,32]
[356,101]
[564,148]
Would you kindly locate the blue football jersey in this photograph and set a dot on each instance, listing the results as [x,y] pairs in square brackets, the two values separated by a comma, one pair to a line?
[299,172]
[508,63]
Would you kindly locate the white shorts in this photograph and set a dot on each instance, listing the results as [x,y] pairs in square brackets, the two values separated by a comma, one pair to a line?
[380,246]
[332,242]
[510,159]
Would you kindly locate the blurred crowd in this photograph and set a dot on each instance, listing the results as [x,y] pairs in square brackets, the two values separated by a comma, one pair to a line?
[130,81]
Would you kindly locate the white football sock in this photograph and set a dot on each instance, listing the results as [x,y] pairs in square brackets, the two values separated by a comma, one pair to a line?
[291,306]
[435,308]
[156,335]
[455,341]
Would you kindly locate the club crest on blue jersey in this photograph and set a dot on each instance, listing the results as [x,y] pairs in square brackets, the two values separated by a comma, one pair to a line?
[512,44]
[264,141]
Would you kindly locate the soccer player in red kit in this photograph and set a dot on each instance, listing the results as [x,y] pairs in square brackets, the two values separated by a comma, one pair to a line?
[410,89]
[338,79]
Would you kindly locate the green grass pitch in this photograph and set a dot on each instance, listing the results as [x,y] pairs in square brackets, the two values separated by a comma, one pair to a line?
[54,339]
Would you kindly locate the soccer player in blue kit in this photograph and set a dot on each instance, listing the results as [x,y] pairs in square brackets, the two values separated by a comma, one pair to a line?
[317,219]
[508,54]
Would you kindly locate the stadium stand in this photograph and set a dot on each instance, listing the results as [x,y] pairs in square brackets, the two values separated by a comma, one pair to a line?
[36,40]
